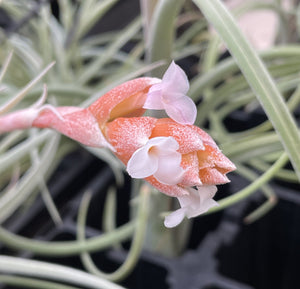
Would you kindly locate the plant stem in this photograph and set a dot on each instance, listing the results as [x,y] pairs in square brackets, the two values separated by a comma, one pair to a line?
[31,283]
[161,33]
[137,243]
[229,67]
[14,265]
[6,107]
[66,248]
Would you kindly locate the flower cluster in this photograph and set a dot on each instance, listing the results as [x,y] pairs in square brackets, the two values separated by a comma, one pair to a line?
[176,157]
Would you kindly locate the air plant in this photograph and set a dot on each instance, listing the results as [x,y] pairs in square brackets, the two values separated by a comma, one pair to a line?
[96,94]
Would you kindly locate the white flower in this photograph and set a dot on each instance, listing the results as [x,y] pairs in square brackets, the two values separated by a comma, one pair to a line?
[170,95]
[196,203]
[158,157]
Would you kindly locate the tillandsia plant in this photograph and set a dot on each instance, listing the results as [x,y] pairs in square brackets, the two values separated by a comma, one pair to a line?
[177,158]
[97,95]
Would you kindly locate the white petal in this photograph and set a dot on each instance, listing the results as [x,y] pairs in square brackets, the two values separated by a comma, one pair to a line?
[142,164]
[174,219]
[170,95]
[207,192]
[169,171]
[175,80]
[189,200]
[198,201]
[191,213]
[158,157]
[182,109]
[164,144]
[154,98]
[192,205]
